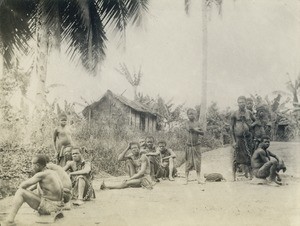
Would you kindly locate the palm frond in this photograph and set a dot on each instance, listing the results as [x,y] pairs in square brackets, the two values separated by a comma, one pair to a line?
[136,10]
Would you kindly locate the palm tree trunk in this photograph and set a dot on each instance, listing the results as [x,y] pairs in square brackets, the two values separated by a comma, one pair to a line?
[204,67]
[135,92]
[41,60]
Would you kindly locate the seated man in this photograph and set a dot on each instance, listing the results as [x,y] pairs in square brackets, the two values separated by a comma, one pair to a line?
[140,179]
[80,173]
[131,158]
[153,156]
[65,179]
[51,191]
[262,164]
[167,157]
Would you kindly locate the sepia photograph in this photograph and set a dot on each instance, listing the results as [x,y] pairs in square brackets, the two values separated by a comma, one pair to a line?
[150,112]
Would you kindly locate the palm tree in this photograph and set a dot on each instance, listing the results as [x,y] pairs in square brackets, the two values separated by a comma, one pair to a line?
[293,87]
[134,79]
[81,24]
[206,4]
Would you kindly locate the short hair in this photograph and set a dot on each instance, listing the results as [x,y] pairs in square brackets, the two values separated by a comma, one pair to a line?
[162,142]
[150,137]
[241,98]
[63,115]
[76,148]
[249,99]
[135,143]
[41,159]
[265,138]
[190,109]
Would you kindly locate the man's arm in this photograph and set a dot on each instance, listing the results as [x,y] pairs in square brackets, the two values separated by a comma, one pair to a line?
[33,180]
[273,155]
[263,156]
[142,170]
[172,154]
[157,152]
[121,156]
[232,124]
[86,169]
[67,166]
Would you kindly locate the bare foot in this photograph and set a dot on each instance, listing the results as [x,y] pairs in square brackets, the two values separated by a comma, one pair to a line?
[201,182]
[102,186]
[171,178]
[274,183]
[78,202]
[67,206]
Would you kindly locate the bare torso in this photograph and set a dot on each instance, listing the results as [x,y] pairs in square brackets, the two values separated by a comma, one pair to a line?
[193,137]
[63,137]
[257,159]
[64,177]
[50,186]
[241,123]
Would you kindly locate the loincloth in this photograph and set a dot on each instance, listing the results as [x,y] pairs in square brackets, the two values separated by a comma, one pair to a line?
[48,206]
[193,158]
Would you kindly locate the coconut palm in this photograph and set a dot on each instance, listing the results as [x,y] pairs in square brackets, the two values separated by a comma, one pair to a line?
[80,24]
[206,5]
[133,78]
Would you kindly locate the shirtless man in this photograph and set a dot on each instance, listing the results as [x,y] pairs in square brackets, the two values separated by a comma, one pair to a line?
[51,191]
[167,157]
[142,176]
[65,179]
[241,121]
[263,165]
[193,145]
[153,157]
[249,105]
[130,159]
[62,142]
[80,173]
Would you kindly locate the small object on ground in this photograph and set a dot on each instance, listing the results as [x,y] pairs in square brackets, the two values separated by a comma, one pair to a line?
[49,219]
[213,177]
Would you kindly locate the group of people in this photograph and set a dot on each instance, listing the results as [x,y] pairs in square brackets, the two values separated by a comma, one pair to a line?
[52,186]
[251,140]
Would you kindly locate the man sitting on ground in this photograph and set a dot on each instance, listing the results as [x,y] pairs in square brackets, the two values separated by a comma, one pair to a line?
[65,179]
[262,164]
[130,159]
[141,177]
[80,172]
[167,157]
[50,186]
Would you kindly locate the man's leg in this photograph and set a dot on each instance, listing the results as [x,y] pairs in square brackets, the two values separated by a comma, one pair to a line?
[186,177]
[81,188]
[130,168]
[124,184]
[21,196]
[171,168]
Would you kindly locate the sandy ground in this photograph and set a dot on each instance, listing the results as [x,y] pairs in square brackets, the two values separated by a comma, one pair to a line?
[172,203]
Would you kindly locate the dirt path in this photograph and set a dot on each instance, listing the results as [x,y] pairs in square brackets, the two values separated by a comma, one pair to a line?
[172,203]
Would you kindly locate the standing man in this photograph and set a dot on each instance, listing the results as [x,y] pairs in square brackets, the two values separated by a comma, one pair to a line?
[241,121]
[50,196]
[192,147]
[80,172]
[250,105]
[263,165]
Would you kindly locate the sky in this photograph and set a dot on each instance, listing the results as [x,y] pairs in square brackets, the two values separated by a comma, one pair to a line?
[253,47]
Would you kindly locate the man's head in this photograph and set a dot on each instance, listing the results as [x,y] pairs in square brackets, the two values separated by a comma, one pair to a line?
[150,141]
[63,119]
[135,148]
[162,145]
[241,102]
[38,163]
[142,142]
[265,142]
[249,104]
[261,111]
[76,155]
[191,114]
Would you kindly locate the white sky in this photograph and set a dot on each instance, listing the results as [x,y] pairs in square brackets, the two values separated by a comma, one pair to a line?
[251,48]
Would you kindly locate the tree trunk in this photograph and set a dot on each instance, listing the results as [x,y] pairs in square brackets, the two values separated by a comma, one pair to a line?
[135,92]
[41,60]
[203,109]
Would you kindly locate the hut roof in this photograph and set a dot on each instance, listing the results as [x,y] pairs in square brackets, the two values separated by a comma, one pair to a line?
[132,104]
